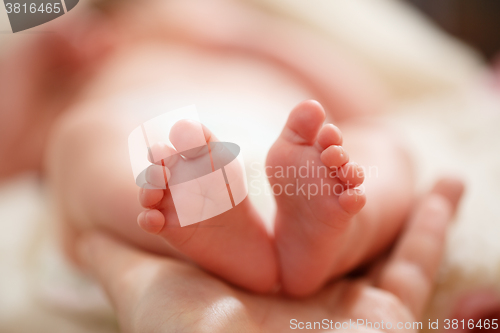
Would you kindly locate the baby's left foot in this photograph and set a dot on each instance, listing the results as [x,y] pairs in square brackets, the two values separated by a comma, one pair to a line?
[317,195]
[229,242]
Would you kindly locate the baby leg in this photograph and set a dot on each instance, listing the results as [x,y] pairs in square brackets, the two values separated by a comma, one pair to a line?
[89,171]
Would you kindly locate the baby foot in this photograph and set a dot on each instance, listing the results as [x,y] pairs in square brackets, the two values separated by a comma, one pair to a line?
[317,194]
[234,244]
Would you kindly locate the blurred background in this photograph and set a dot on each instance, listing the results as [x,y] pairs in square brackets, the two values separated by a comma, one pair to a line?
[438,61]
[475,22]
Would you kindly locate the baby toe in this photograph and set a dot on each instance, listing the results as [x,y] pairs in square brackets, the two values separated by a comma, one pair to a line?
[188,134]
[334,156]
[151,221]
[150,197]
[352,200]
[329,135]
[159,151]
[157,176]
[351,174]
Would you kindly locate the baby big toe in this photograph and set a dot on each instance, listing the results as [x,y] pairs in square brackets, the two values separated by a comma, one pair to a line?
[304,123]
[188,134]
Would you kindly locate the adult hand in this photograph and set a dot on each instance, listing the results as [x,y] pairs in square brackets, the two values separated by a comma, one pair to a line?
[159,294]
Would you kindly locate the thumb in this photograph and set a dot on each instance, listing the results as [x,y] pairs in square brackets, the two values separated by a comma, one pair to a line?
[122,271]
[146,291]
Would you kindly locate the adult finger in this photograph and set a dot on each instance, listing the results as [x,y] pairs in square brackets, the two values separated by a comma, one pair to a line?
[452,188]
[153,294]
[410,271]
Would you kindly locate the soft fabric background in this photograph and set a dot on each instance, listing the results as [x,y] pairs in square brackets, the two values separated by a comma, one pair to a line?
[444,103]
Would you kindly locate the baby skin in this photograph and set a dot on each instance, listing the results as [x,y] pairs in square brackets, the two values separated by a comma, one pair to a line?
[317,236]
[321,228]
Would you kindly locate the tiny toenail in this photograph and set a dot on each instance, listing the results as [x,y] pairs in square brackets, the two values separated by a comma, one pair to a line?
[142,215]
[147,215]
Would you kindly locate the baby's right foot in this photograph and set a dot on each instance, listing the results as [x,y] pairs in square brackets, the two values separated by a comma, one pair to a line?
[234,244]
